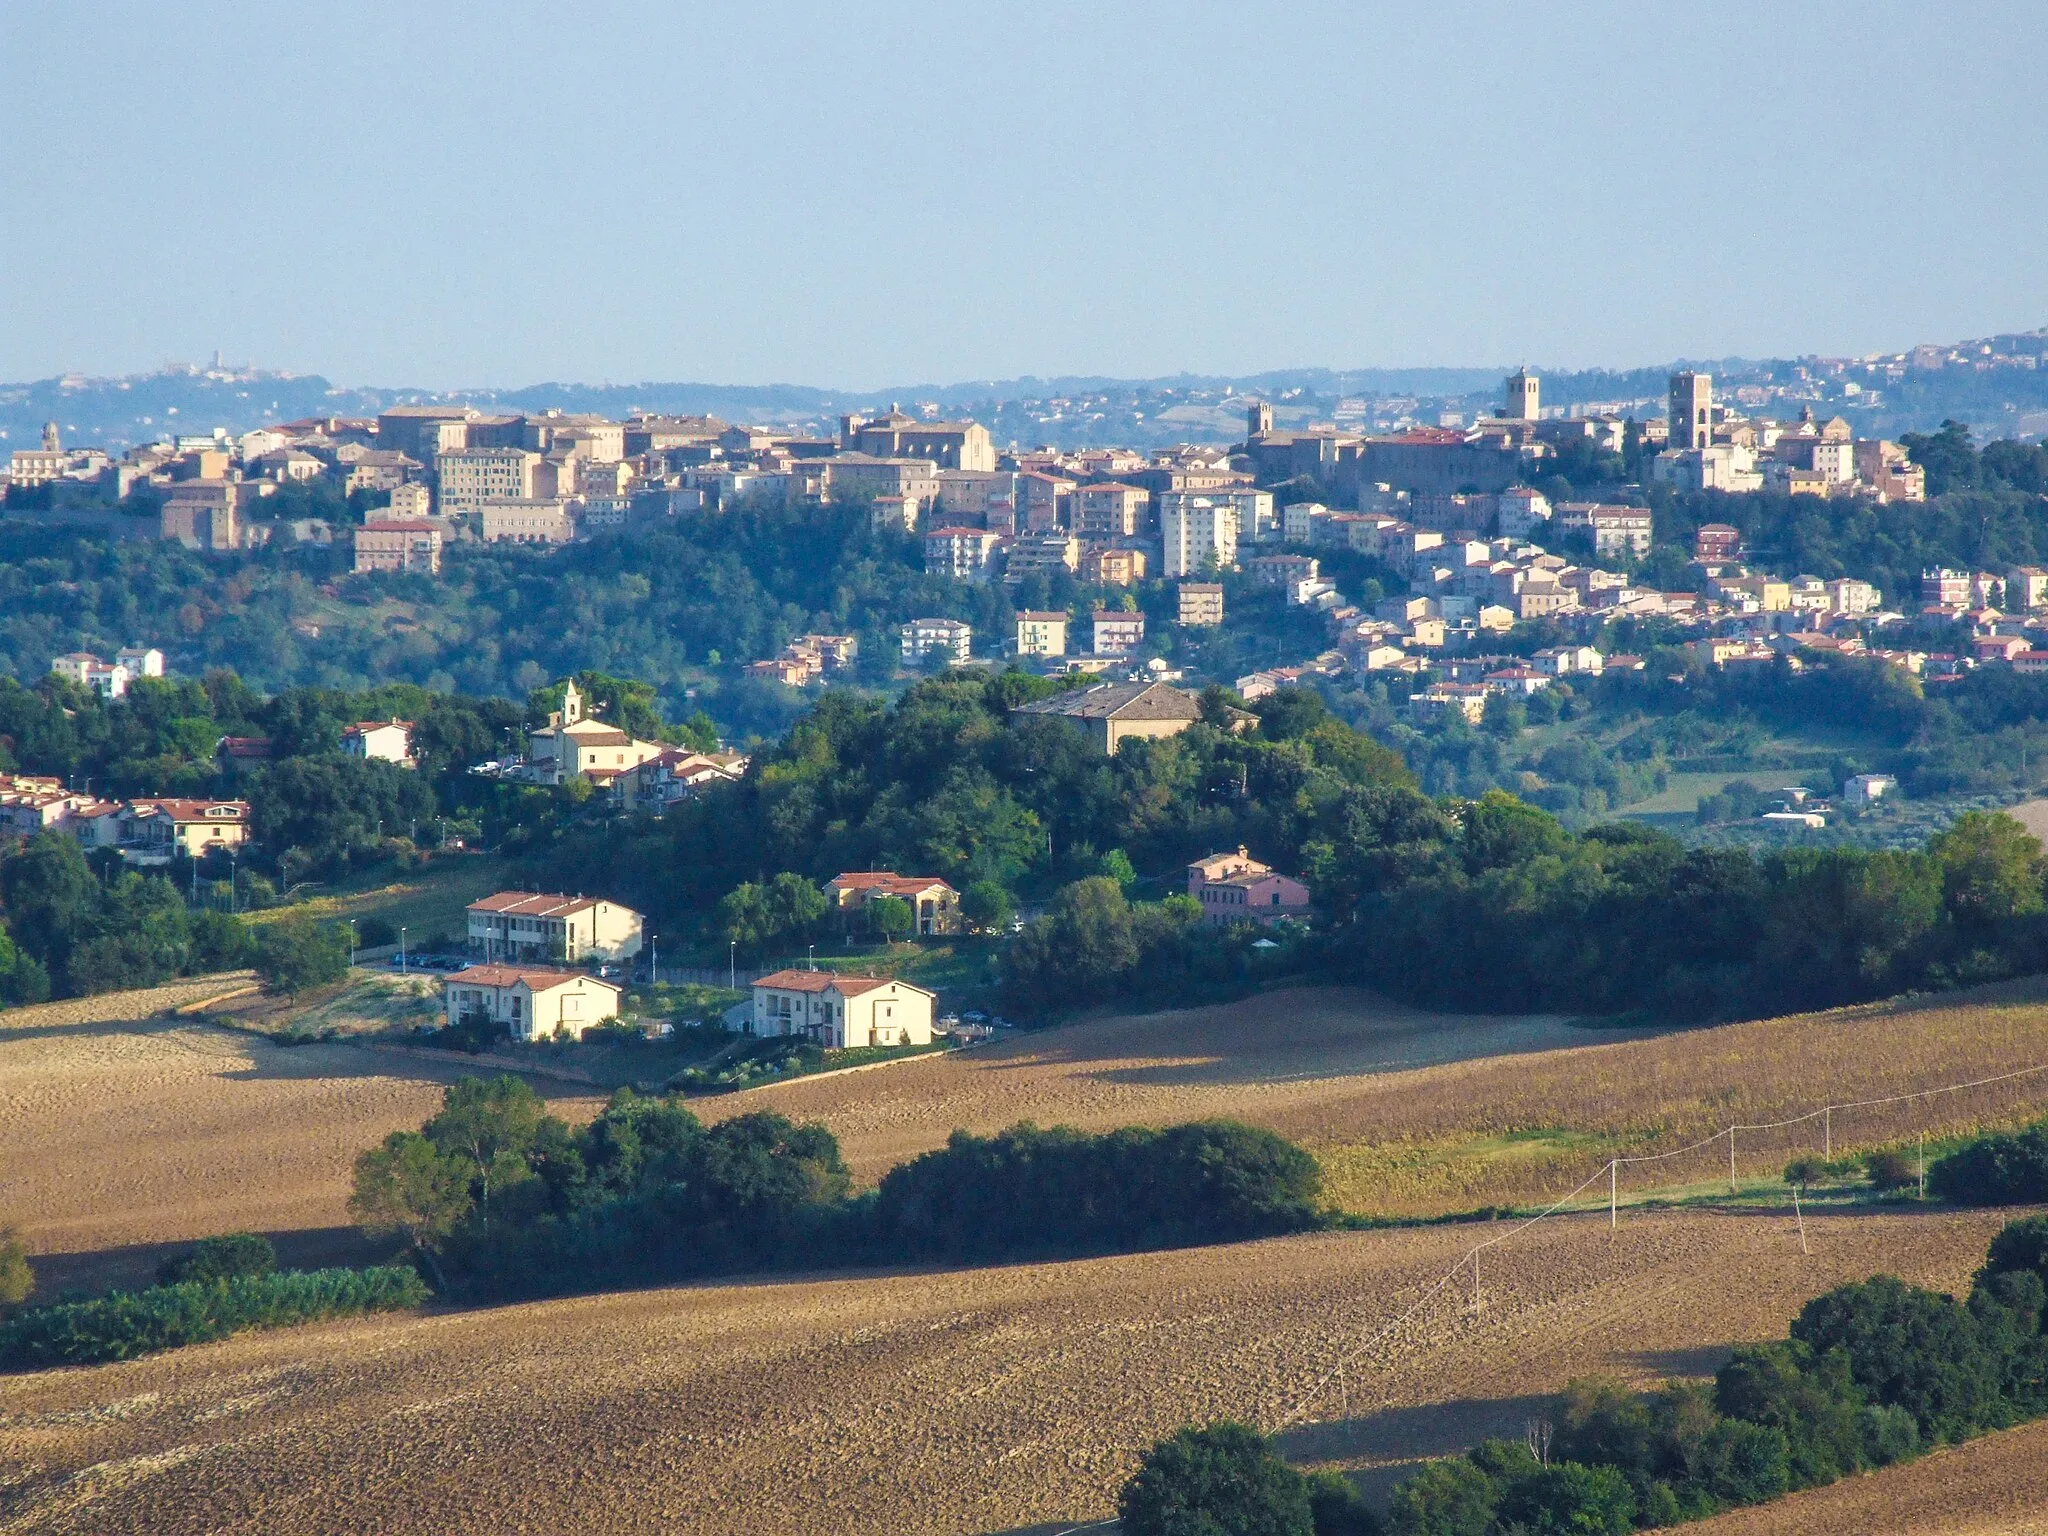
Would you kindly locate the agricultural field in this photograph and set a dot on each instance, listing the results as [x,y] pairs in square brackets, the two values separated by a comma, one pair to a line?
[123,1131]
[1420,1114]
[1997,1486]
[994,1400]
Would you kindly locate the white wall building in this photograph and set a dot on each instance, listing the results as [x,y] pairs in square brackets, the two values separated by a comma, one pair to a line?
[534,1003]
[840,1011]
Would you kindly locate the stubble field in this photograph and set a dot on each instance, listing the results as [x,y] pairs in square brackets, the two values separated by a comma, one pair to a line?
[122,1132]
[1418,1114]
[985,1400]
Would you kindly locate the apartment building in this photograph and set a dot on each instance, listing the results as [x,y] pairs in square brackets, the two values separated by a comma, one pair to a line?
[1196,527]
[1116,633]
[1113,567]
[526,925]
[925,640]
[1109,510]
[964,554]
[1041,634]
[532,1002]
[1041,553]
[469,477]
[399,544]
[1201,604]
[533,521]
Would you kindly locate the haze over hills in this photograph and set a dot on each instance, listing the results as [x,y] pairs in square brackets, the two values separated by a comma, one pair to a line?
[1998,384]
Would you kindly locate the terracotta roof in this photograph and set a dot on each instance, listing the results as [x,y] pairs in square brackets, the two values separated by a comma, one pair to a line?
[830,981]
[532,904]
[195,810]
[538,978]
[375,725]
[884,880]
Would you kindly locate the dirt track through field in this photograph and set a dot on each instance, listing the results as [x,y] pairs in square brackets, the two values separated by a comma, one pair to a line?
[121,1131]
[982,1400]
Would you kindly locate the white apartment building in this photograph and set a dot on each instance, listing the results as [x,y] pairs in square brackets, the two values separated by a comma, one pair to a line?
[924,639]
[521,926]
[469,477]
[1196,527]
[840,1011]
[532,1002]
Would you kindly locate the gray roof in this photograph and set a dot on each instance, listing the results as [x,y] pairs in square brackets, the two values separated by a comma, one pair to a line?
[1118,701]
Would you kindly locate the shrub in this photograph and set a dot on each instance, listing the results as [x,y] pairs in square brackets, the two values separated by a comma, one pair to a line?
[17,1280]
[1221,1480]
[1741,1463]
[1995,1170]
[375,933]
[1446,1498]
[220,1258]
[1889,1434]
[1336,1509]
[294,954]
[2022,1245]
[1027,1190]
[1891,1170]
[1569,1499]
[124,1325]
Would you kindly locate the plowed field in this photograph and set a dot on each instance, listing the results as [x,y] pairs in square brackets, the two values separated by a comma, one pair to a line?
[984,1400]
[1420,1113]
[121,1131]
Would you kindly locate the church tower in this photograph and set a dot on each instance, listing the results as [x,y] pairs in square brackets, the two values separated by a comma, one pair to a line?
[1525,393]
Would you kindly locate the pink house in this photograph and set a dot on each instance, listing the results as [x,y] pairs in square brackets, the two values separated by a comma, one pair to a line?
[1237,888]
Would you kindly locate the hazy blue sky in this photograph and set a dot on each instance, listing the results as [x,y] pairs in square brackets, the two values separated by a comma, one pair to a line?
[443,195]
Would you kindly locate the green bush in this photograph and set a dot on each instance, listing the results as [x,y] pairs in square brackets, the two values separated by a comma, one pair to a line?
[375,933]
[1911,1349]
[1027,1190]
[1446,1498]
[220,1258]
[1220,1480]
[1995,1170]
[1891,1170]
[1569,1499]
[293,954]
[123,1325]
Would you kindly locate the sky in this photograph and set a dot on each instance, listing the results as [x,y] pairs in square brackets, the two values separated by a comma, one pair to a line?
[442,196]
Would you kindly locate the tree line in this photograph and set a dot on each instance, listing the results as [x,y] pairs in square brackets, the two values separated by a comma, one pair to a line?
[495,1197]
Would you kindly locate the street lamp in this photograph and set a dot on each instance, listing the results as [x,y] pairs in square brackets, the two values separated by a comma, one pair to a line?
[401,951]
[351,943]
[732,967]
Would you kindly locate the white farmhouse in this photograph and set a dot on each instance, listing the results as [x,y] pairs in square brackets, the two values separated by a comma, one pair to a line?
[387,740]
[535,1003]
[838,1011]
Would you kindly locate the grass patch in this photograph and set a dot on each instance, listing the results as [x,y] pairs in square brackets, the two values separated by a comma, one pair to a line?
[431,899]
[1381,1178]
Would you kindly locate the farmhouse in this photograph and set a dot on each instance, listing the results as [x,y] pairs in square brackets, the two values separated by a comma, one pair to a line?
[838,1011]
[533,1002]
[1237,888]
[387,740]
[1111,713]
[523,925]
[935,903]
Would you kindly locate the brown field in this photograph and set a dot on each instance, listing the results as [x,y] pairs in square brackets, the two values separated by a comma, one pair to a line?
[1997,1486]
[1493,1110]
[982,1400]
[121,1132]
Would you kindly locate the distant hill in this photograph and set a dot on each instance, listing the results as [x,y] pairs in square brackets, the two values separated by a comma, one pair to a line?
[1981,382]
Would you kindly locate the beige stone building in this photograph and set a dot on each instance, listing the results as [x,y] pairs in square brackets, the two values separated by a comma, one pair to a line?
[569,745]
[1112,713]
[525,522]
[944,444]
[398,544]
[533,1002]
[1201,604]
[469,477]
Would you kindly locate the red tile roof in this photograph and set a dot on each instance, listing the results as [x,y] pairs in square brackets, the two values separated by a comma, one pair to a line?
[537,978]
[830,981]
[532,904]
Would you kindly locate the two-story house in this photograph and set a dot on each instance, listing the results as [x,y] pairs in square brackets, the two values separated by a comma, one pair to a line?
[840,1011]
[532,1002]
[526,926]
[1237,888]
[935,903]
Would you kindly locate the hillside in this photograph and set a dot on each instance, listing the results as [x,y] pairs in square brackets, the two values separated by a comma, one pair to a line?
[1419,1113]
[978,1400]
